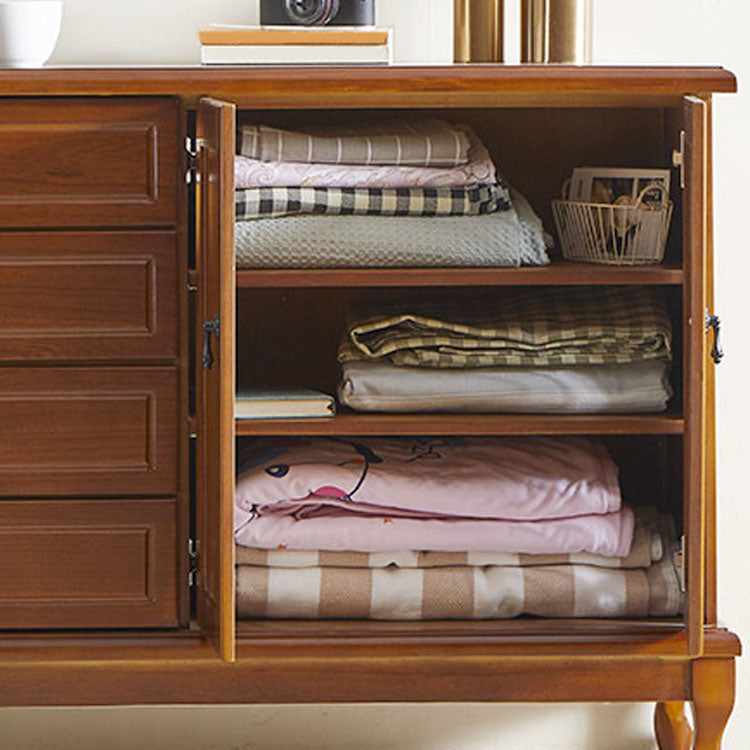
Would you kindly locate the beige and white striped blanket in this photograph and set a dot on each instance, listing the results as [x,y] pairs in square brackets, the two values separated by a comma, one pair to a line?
[420,142]
[464,592]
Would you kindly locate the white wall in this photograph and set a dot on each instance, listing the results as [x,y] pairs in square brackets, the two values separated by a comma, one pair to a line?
[158,32]
[636,31]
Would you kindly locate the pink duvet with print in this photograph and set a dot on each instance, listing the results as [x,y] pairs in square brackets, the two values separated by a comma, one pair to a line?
[370,494]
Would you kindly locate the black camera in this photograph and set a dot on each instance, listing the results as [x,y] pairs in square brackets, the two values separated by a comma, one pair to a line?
[317,12]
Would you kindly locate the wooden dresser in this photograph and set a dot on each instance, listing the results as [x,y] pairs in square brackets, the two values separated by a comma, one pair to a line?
[125,327]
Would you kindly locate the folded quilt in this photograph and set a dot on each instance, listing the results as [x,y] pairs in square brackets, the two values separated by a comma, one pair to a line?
[608,534]
[458,592]
[505,238]
[379,385]
[541,327]
[436,478]
[648,546]
[275,202]
[478,170]
[421,142]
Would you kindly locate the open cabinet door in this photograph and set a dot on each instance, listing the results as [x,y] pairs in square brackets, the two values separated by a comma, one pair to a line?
[215,316]
[695,254]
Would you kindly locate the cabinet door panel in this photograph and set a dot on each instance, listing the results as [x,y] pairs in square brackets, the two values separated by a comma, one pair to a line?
[695,364]
[88,563]
[81,295]
[215,375]
[88,431]
[89,162]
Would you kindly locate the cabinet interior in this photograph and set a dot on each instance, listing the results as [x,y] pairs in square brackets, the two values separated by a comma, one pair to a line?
[288,332]
[535,148]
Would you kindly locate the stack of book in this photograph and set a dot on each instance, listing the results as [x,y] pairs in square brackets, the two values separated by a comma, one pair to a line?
[282,403]
[278,45]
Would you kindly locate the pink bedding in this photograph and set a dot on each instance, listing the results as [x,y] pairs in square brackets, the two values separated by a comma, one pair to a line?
[608,534]
[507,478]
[529,495]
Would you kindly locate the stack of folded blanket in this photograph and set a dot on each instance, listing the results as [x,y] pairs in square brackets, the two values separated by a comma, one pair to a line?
[556,349]
[443,528]
[369,196]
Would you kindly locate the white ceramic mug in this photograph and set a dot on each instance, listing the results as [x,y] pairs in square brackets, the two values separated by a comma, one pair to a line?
[28,31]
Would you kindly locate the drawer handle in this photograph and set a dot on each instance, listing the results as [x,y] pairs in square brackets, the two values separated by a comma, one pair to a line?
[713,321]
[209,327]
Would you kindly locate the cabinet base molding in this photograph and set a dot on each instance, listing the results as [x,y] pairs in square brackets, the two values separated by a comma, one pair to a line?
[185,670]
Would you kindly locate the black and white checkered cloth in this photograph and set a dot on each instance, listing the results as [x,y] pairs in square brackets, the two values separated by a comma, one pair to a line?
[273,202]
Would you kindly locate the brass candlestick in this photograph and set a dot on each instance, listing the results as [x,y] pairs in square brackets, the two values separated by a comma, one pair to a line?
[478,31]
[556,31]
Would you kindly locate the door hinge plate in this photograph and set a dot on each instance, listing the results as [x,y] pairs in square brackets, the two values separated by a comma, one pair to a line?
[678,159]
[192,149]
[192,562]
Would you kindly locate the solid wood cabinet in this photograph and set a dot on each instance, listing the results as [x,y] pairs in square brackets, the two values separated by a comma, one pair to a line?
[121,348]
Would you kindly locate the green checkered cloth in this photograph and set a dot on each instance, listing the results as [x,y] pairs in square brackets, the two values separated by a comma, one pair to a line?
[540,327]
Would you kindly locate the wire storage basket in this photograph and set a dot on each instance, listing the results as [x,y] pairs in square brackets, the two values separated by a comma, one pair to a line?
[621,233]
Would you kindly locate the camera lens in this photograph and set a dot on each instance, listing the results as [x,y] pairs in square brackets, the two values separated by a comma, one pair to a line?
[311,12]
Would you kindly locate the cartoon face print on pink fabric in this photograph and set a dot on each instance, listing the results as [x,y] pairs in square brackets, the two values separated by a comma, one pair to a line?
[362,454]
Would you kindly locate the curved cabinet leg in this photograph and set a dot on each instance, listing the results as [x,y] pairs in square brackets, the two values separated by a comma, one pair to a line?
[713,699]
[673,732]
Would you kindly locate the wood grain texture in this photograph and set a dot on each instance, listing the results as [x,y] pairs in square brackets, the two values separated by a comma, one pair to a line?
[88,564]
[184,669]
[88,163]
[713,699]
[88,431]
[328,86]
[467,424]
[709,416]
[673,731]
[558,273]
[88,296]
[694,364]
[215,381]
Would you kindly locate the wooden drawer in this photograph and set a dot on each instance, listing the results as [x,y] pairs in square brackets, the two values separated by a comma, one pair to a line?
[88,295]
[89,162]
[88,563]
[88,431]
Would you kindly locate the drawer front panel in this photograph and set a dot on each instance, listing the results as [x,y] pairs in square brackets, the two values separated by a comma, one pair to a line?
[81,564]
[79,295]
[90,431]
[89,162]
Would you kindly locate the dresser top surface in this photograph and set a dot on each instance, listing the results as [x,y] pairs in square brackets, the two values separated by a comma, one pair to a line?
[326,86]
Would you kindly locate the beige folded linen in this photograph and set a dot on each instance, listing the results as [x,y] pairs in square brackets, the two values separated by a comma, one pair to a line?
[425,142]
[647,547]
[465,593]
[384,387]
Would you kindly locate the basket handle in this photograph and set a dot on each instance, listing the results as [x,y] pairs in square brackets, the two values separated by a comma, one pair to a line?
[653,186]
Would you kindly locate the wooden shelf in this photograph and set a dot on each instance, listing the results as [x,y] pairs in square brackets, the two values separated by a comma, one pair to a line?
[468,424]
[558,272]
[519,630]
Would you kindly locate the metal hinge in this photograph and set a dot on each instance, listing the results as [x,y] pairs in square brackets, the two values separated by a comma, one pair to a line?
[679,563]
[678,159]
[192,149]
[192,562]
